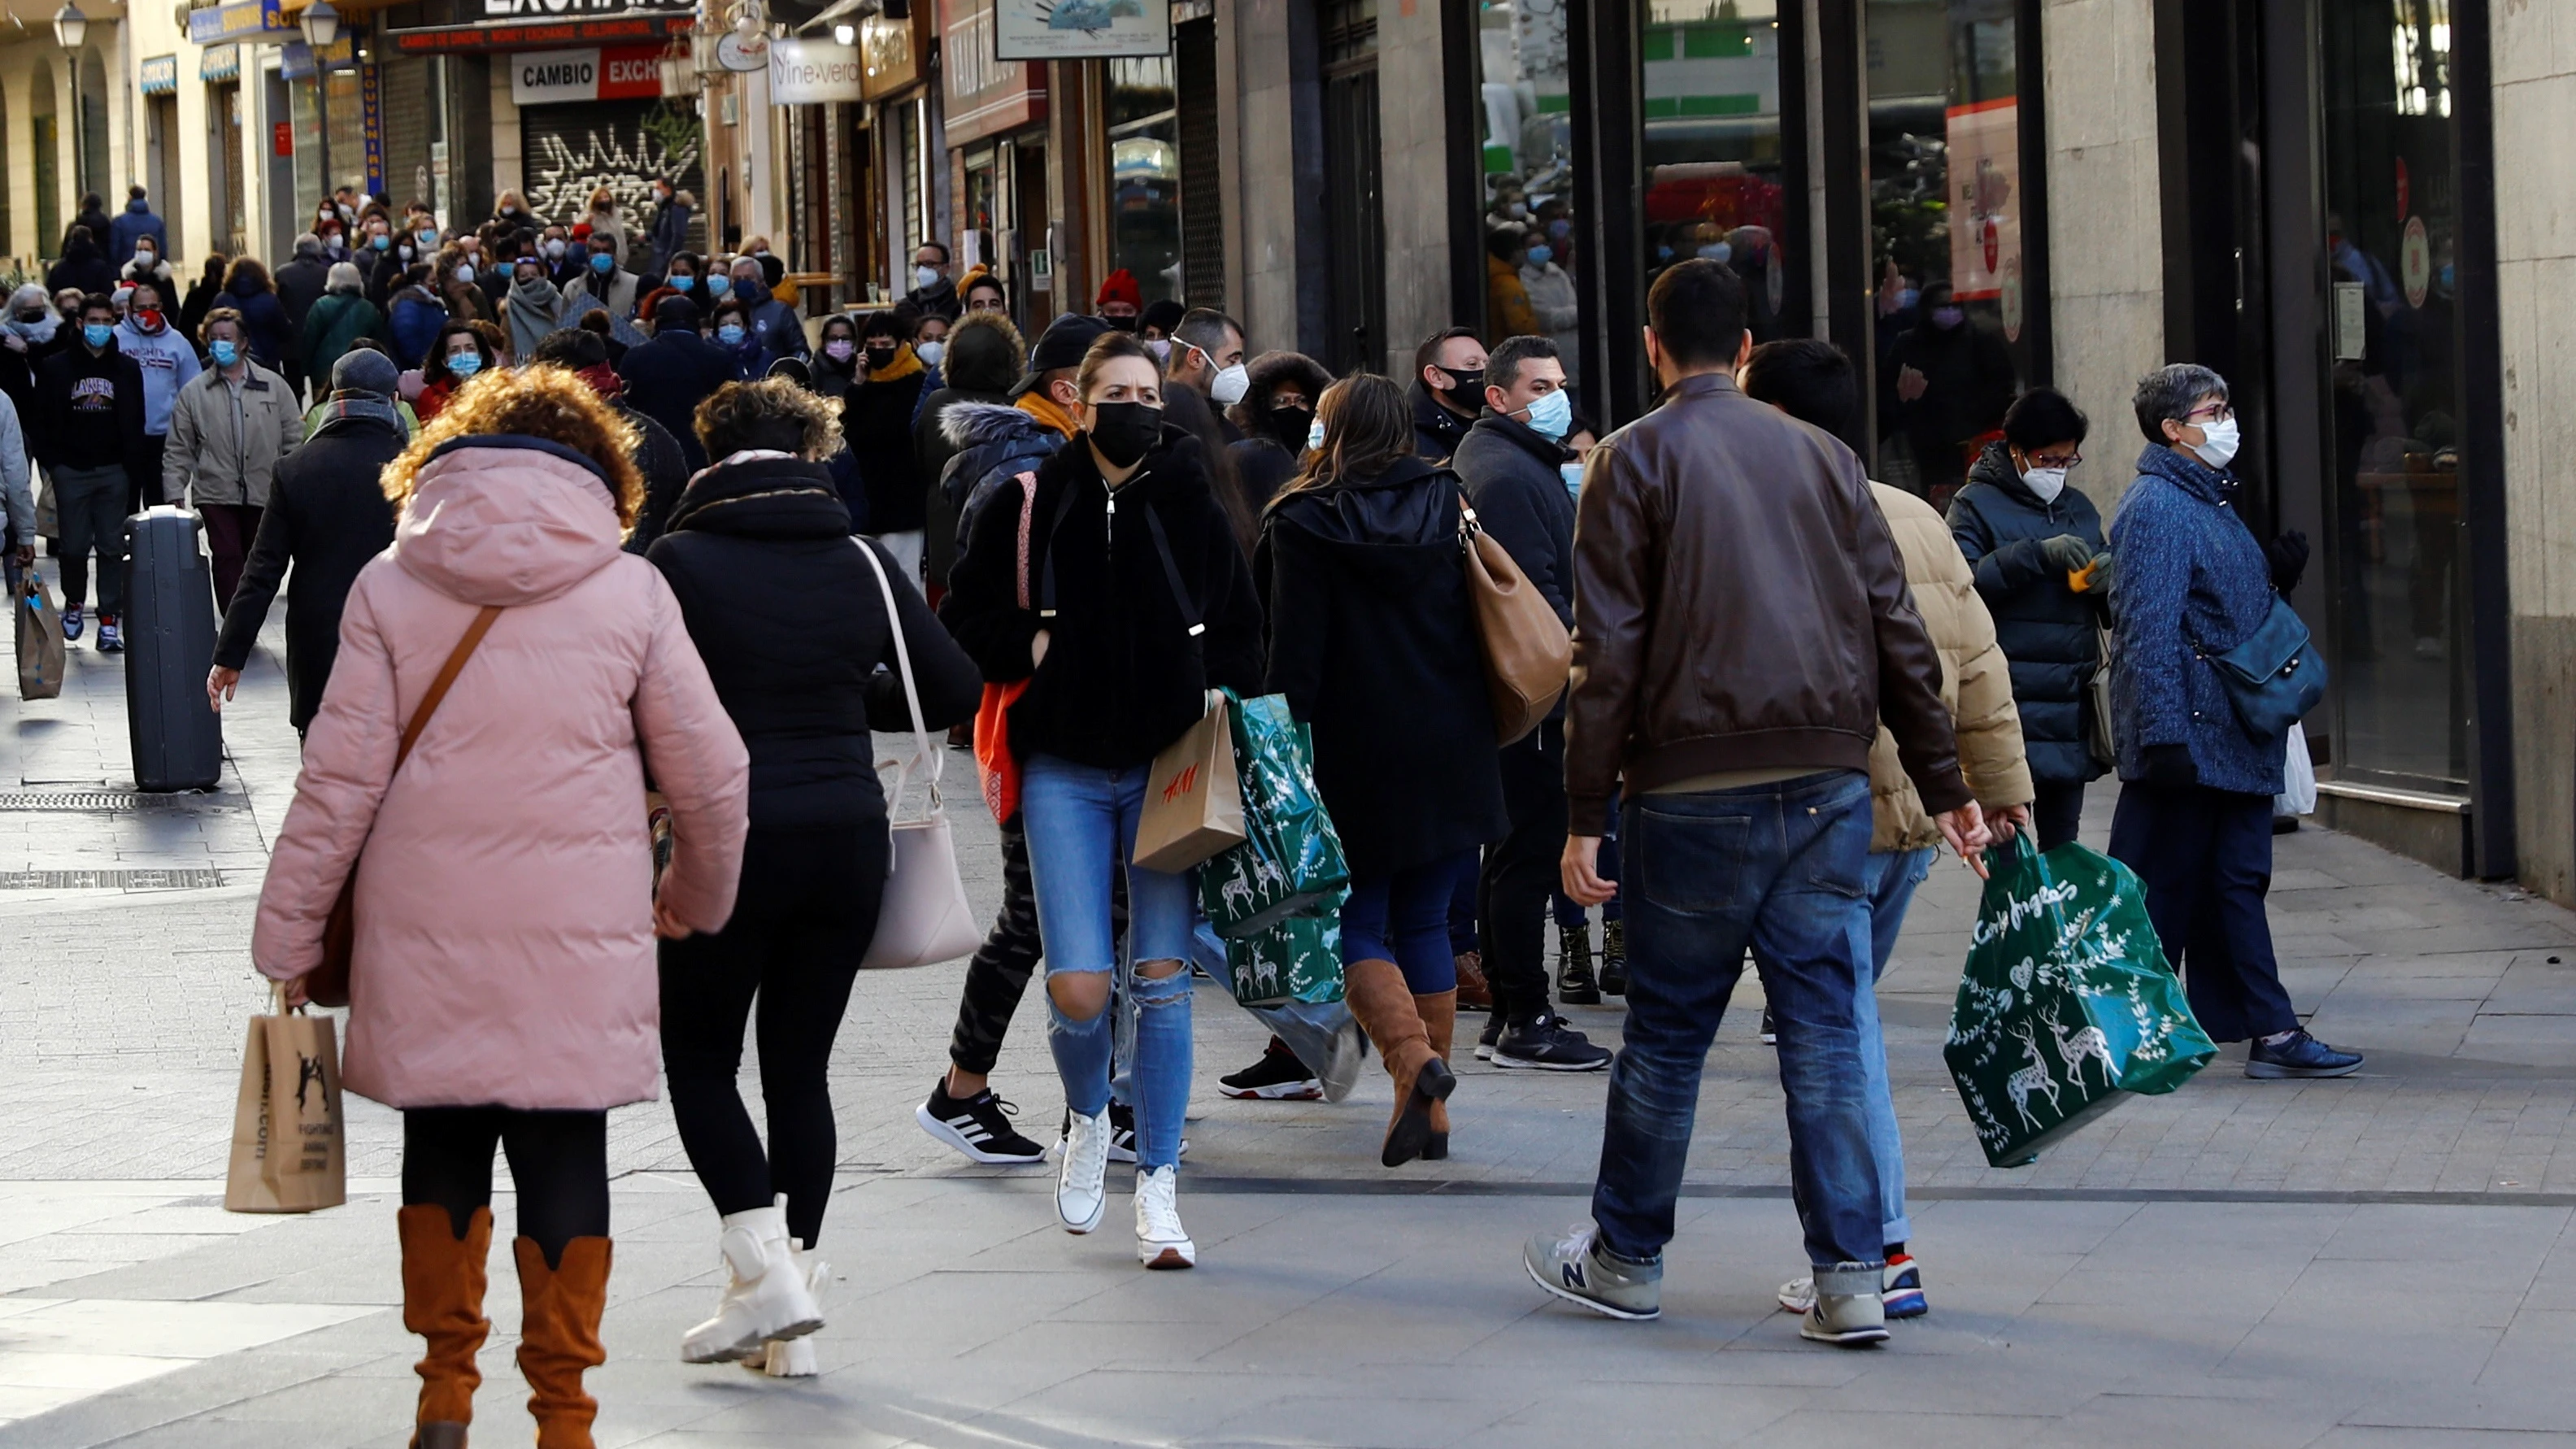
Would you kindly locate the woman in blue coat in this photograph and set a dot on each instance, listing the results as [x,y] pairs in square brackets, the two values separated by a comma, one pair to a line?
[2195,813]
[248,290]
[2034,541]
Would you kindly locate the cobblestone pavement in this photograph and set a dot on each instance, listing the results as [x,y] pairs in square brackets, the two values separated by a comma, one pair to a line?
[2381,1260]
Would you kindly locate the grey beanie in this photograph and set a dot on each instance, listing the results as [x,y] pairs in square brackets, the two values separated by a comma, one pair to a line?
[363,369]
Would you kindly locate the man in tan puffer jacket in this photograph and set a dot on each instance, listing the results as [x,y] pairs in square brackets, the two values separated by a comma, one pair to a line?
[1811,381]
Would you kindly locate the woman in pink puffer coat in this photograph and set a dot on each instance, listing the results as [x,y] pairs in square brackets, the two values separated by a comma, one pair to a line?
[503,986]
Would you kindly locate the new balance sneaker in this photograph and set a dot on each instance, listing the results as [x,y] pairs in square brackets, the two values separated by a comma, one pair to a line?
[1161,1242]
[1081,1187]
[1903,1296]
[1495,1026]
[2300,1056]
[1614,958]
[1278,1077]
[111,639]
[979,1126]
[1571,1265]
[1847,1309]
[1547,1044]
[72,622]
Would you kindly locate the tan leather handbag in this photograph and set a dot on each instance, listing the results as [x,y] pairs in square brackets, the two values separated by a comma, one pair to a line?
[1528,654]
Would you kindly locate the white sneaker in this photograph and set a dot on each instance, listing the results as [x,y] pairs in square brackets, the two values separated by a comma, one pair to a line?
[766,1296]
[1161,1241]
[1342,1066]
[1081,1192]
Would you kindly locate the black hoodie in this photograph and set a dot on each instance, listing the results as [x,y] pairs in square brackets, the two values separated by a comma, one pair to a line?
[1124,675]
[1373,641]
[792,626]
[89,410]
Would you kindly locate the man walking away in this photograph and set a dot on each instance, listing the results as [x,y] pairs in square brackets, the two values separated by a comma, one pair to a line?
[300,283]
[328,515]
[87,429]
[1811,381]
[132,226]
[1513,462]
[1741,628]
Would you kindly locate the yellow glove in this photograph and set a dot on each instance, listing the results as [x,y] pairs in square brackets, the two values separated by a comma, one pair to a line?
[2094,577]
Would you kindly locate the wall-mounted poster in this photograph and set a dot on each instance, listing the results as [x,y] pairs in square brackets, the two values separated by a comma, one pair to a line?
[1985,197]
[1080,29]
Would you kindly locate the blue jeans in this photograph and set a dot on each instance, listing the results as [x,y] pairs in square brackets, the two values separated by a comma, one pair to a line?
[1780,868]
[1404,918]
[1891,877]
[1081,824]
[1308,1027]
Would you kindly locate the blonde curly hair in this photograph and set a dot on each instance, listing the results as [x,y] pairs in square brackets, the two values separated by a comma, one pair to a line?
[535,402]
[771,413]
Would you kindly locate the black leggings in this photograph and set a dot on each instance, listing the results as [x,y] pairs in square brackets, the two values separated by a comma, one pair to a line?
[2058,812]
[803,920]
[998,975]
[559,1161]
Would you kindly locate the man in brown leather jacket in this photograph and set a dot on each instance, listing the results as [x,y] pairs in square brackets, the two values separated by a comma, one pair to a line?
[1741,628]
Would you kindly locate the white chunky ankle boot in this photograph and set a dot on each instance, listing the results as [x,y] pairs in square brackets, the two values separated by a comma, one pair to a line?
[793,1358]
[767,1296]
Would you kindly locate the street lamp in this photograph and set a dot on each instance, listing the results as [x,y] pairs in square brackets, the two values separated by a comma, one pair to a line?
[321,26]
[71,27]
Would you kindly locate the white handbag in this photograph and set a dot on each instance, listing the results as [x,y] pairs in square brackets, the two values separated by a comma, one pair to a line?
[924,917]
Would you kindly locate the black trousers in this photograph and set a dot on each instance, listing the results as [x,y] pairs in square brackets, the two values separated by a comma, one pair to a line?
[2206,859]
[997,976]
[1522,872]
[143,479]
[805,915]
[2058,812]
[558,1161]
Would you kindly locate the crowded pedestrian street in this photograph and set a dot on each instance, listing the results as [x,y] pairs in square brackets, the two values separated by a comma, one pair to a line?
[2382,1260]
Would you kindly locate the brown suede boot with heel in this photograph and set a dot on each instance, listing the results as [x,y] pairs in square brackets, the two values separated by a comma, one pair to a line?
[1385,1010]
[559,1336]
[1439,1015]
[443,1281]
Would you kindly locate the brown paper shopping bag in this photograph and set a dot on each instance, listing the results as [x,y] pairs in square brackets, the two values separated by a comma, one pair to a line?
[1193,797]
[40,641]
[288,1153]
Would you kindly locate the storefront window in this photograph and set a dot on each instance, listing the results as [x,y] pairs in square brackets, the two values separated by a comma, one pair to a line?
[1532,250]
[1710,91]
[2392,217]
[1945,190]
[347,110]
[1145,175]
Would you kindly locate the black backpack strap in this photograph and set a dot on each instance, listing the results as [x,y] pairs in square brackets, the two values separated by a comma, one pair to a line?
[1172,572]
[1046,582]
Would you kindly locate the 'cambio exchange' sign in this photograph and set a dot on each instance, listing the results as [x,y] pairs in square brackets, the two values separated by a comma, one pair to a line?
[605,73]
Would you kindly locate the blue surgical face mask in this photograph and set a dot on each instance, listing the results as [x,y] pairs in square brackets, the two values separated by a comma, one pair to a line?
[465,364]
[380,241]
[1551,415]
[1572,473]
[1717,251]
[1314,435]
[427,239]
[96,333]
[1541,255]
[1946,318]
[226,354]
[602,263]
[682,281]
[730,334]
[1906,297]
[719,284]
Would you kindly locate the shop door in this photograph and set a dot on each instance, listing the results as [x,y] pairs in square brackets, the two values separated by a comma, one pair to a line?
[161,171]
[45,140]
[1355,223]
[232,224]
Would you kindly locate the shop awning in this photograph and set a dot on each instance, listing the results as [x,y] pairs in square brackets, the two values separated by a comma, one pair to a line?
[495,36]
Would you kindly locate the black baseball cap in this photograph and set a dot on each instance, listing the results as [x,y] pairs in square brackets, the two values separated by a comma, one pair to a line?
[1063,344]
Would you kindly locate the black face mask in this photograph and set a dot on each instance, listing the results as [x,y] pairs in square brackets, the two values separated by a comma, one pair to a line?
[1124,431]
[880,357]
[1123,324]
[1290,426]
[1466,389]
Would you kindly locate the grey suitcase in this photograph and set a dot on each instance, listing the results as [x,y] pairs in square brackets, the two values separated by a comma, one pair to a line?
[169,645]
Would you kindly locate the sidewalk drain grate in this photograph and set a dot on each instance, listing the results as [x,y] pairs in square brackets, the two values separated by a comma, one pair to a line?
[84,800]
[198,879]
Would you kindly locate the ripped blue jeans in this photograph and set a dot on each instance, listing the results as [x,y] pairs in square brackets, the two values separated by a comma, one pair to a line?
[1081,824]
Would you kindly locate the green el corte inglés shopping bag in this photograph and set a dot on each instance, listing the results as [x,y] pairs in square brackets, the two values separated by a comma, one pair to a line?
[2067,1003]
[1290,860]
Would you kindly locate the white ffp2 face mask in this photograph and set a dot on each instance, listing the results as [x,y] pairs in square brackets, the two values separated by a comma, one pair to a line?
[2219,440]
[2046,482]
[1230,384]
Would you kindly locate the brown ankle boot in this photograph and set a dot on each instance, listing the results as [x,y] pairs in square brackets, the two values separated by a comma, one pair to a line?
[1440,1027]
[443,1284]
[559,1336]
[1385,1010]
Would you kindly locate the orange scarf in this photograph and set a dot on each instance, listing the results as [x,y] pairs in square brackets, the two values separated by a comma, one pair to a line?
[904,365]
[1045,409]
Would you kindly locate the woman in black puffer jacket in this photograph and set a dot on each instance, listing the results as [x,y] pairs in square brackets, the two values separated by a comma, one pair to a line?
[1277,409]
[793,626]
[2034,541]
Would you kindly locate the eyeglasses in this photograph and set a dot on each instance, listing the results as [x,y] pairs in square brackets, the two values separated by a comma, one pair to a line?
[2217,412]
[2055,460]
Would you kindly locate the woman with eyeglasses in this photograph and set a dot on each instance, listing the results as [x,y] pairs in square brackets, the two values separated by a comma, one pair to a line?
[2036,544]
[2196,785]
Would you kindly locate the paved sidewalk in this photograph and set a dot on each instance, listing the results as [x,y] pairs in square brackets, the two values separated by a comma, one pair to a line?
[2383,1260]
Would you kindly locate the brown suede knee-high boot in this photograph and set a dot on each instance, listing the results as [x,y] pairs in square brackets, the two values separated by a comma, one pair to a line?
[1439,1013]
[1386,1011]
[559,1336]
[443,1281]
